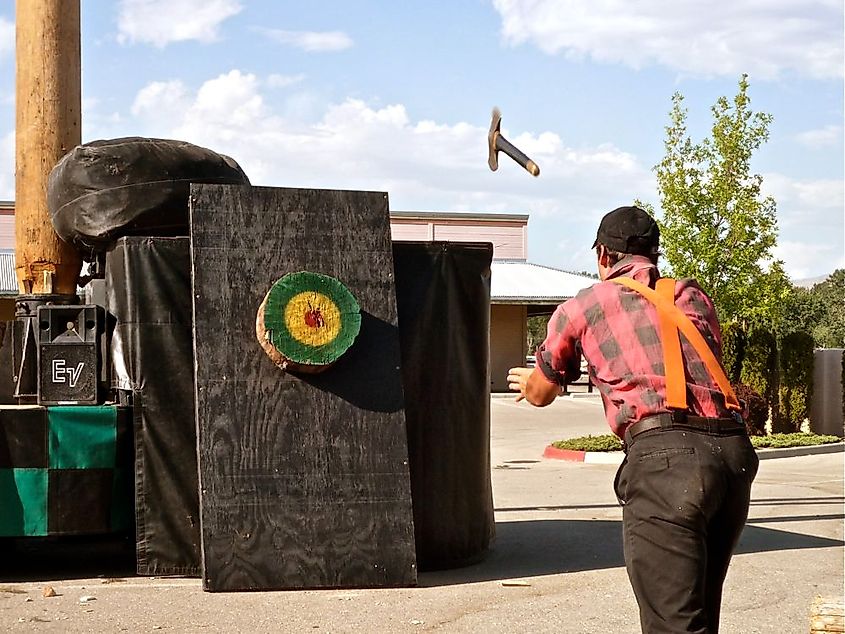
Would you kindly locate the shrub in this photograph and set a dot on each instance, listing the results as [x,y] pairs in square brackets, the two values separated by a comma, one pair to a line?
[756,410]
[604,442]
[798,439]
[733,350]
[796,380]
[760,368]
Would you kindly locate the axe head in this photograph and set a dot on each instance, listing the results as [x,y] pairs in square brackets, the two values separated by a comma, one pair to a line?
[495,124]
[497,143]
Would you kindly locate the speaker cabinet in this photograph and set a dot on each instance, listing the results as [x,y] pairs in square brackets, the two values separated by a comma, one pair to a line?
[70,355]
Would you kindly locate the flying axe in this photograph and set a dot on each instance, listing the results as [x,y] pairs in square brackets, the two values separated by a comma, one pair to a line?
[497,143]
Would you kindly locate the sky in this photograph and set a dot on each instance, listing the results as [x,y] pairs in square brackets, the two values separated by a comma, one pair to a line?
[396,97]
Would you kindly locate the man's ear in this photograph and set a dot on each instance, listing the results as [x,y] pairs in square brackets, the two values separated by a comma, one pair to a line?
[604,259]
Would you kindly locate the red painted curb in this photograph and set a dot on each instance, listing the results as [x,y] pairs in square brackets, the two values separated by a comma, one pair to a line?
[564,454]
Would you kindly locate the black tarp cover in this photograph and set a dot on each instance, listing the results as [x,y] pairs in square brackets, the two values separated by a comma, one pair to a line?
[443,302]
[105,189]
[148,289]
[7,371]
[443,299]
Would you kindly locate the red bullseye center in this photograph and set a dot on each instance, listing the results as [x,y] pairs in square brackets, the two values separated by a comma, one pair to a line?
[314,318]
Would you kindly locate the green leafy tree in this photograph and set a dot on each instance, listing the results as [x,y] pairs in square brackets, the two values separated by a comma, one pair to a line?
[536,331]
[801,309]
[716,226]
[829,330]
[796,380]
[733,350]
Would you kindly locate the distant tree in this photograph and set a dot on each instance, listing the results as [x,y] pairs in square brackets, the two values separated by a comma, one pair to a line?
[829,330]
[760,368]
[796,380]
[591,274]
[715,224]
[733,349]
[801,309]
[536,331]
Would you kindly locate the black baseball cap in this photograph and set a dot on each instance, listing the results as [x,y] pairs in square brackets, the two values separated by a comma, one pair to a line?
[629,230]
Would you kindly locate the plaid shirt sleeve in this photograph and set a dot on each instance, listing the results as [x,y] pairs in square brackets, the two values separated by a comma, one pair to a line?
[559,356]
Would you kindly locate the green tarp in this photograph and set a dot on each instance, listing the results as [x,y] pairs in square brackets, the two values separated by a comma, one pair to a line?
[64,470]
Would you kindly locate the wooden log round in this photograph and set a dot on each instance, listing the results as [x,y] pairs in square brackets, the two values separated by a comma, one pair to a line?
[307,321]
[827,614]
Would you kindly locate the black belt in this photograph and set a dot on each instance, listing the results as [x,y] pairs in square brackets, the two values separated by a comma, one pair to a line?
[683,420]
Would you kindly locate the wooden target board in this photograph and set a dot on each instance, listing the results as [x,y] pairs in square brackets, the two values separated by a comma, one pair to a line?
[304,478]
[307,321]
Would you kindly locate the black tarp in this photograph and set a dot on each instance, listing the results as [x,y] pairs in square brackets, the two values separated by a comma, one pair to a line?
[148,288]
[7,371]
[132,186]
[443,302]
[443,299]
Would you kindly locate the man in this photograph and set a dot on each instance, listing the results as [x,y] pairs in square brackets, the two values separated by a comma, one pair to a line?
[685,482]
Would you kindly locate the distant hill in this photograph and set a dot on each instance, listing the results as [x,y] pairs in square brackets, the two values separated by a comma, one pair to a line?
[810,282]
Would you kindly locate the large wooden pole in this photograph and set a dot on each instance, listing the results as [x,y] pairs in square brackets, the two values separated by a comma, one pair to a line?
[47,126]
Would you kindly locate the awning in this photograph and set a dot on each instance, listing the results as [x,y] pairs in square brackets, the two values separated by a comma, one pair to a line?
[519,282]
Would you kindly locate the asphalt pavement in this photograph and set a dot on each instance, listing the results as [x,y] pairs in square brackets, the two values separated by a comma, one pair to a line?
[556,565]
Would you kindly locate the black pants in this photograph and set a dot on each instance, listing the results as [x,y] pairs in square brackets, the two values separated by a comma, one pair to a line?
[685,498]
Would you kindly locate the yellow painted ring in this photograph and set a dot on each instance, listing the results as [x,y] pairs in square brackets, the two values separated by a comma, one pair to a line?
[312,318]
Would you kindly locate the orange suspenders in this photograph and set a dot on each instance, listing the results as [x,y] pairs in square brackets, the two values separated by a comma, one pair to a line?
[673,320]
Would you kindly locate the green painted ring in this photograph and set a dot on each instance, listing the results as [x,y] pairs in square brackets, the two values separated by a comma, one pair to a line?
[291,346]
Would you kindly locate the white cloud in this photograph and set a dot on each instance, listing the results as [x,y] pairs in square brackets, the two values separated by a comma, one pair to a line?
[311,41]
[433,165]
[161,98]
[811,223]
[424,165]
[160,22]
[699,37]
[803,201]
[283,81]
[7,38]
[808,259]
[828,136]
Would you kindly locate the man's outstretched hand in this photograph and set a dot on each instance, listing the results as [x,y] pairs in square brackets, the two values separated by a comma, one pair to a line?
[532,386]
[518,381]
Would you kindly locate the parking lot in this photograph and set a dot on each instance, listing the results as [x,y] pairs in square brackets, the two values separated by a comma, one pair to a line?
[556,565]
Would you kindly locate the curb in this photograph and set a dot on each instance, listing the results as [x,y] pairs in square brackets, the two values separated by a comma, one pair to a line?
[593,457]
[812,450]
[615,457]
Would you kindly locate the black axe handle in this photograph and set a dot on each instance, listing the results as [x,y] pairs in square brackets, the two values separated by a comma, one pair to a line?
[503,145]
[497,143]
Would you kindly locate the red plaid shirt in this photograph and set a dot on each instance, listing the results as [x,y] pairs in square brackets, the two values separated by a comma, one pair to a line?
[617,331]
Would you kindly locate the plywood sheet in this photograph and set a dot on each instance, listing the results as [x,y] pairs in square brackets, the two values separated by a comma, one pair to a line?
[303,479]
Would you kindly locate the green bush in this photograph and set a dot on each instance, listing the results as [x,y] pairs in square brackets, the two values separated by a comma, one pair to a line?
[733,350]
[756,410]
[798,439]
[760,367]
[609,442]
[796,380]
[604,442]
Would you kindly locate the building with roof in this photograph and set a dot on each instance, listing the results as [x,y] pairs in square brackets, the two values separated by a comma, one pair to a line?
[518,290]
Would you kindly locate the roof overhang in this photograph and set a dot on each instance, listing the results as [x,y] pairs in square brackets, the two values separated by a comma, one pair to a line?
[433,216]
[520,282]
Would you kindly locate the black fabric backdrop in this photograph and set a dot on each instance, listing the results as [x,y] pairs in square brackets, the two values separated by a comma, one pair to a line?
[7,371]
[443,298]
[443,302]
[148,292]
